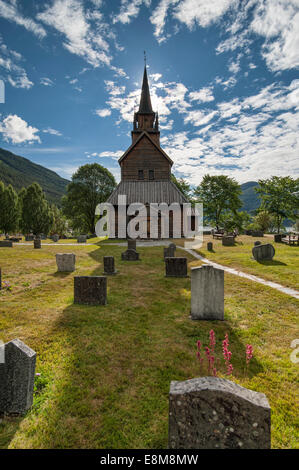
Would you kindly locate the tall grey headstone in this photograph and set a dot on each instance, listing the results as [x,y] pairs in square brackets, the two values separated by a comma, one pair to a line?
[263,252]
[66,262]
[90,290]
[210,246]
[17,374]
[215,413]
[169,252]
[132,245]
[278,237]
[176,267]
[207,293]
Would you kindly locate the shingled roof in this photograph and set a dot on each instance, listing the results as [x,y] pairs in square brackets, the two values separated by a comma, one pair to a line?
[148,192]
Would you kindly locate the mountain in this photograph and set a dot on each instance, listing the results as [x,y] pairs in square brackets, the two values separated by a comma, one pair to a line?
[21,172]
[250,199]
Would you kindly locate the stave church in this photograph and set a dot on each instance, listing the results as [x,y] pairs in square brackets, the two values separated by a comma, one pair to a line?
[145,167]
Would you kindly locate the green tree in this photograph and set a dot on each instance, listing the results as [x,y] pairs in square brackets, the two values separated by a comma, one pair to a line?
[90,185]
[183,186]
[232,220]
[36,216]
[263,221]
[218,194]
[279,196]
[9,209]
[59,226]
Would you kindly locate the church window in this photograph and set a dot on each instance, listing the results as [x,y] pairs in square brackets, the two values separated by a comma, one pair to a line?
[140,175]
[151,174]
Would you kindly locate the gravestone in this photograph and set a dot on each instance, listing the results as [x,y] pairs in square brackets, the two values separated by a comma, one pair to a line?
[6,244]
[131,244]
[37,243]
[257,243]
[210,246]
[90,290]
[81,239]
[130,255]
[17,373]
[207,293]
[214,413]
[109,267]
[228,240]
[278,237]
[55,238]
[169,252]
[176,267]
[66,262]
[263,252]
[257,233]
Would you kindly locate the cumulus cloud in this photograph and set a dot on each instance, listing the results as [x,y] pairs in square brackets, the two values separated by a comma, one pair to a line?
[202,96]
[14,129]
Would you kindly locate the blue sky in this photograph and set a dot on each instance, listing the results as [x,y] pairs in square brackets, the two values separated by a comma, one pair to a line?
[223,77]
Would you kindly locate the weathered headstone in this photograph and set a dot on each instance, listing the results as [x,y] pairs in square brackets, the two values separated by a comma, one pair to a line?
[228,240]
[257,233]
[214,413]
[66,262]
[169,252]
[207,293]
[6,244]
[130,255]
[176,267]
[55,238]
[109,266]
[17,374]
[90,290]
[132,244]
[81,239]
[257,243]
[278,237]
[263,252]
[37,243]
[210,246]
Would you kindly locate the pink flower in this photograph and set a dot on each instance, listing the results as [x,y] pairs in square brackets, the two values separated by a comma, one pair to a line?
[249,353]
[212,340]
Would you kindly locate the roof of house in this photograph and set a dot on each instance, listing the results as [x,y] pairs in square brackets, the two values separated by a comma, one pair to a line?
[145,106]
[147,192]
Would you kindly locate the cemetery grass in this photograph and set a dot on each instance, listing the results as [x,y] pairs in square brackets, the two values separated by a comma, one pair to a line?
[105,371]
[283,268]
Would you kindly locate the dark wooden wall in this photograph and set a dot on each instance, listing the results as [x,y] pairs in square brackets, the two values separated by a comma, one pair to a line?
[145,156]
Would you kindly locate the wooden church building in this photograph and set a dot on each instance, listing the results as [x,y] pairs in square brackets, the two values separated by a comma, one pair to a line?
[145,167]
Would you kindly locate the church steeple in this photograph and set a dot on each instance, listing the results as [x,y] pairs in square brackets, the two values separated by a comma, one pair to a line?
[145,106]
[146,119]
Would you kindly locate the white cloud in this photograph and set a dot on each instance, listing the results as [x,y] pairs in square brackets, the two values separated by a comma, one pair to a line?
[10,12]
[16,130]
[129,10]
[82,30]
[204,95]
[202,12]
[51,131]
[13,72]
[159,17]
[103,112]
[46,81]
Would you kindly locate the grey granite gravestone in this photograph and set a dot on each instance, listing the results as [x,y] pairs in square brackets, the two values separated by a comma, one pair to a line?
[278,237]
[90,290]
[55,238]
[6,244]
[169,252]
[228,240]
[176,267]
[210,246]
[17,374]
[81,239]
[207,293]
[263,252]
[66,262]
[130,255]
[214,413]
[37,243]
[109,266]
[132,244]
[257,243]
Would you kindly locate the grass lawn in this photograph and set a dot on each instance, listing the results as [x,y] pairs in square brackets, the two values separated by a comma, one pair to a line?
[284,267]
[105,371]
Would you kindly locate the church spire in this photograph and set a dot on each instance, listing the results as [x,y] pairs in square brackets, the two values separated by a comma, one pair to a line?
[145,106]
